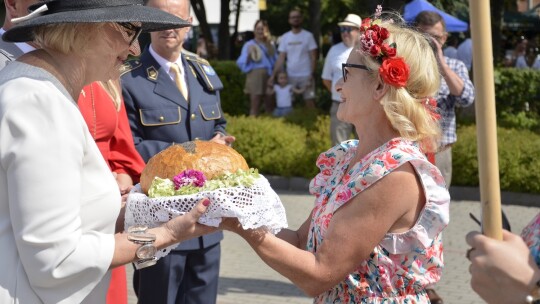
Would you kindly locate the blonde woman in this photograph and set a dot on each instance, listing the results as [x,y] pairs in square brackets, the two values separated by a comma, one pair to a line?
[59,201]
[374,234]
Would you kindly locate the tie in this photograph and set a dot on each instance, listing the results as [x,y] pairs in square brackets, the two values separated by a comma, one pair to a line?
[177,78]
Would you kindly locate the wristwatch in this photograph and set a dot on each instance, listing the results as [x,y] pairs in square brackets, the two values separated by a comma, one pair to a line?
[534,295]
[146,253]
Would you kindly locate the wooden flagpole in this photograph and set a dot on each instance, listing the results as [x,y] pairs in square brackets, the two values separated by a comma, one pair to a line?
[486,122]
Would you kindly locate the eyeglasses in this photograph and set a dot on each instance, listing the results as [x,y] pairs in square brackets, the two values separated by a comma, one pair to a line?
[346,29]
[132,32]
[345,72]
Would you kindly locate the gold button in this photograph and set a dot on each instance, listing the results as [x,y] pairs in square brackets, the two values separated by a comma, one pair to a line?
[213,112]
[161,118]
[193,116]
[196,138]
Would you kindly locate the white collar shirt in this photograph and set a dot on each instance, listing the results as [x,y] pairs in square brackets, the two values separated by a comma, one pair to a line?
[166,64]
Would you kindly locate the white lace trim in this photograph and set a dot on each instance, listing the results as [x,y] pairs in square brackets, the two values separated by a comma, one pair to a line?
[255,207]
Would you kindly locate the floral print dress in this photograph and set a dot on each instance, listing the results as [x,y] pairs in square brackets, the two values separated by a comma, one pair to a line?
[402,264]
[531,236]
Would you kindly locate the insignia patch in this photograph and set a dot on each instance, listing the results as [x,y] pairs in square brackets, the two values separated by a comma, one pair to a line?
[152,73]
[208,70]
[129,66]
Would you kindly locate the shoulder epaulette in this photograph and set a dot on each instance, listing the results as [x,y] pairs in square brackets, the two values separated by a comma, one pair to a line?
[202,69]
[130,65]
[194,57]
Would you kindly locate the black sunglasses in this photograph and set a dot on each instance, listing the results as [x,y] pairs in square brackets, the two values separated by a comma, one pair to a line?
[344,67]
[133,28]
[346,29]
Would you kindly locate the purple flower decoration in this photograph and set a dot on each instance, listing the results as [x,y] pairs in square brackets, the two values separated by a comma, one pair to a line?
[189,178]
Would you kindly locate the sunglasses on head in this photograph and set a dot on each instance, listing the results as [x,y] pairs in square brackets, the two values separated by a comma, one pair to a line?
[346,29]
[345,72]
[133,31]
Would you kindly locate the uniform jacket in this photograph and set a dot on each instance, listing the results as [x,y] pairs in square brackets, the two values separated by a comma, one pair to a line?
[159,115]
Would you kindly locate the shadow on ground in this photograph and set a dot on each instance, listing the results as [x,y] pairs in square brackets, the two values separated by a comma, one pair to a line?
[258,286]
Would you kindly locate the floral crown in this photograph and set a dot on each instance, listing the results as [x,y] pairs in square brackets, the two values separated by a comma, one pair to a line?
[393,70]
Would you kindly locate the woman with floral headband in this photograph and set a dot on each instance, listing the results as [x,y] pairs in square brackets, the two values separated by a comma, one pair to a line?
[374,234]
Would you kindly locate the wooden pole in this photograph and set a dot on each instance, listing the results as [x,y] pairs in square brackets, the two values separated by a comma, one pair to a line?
[486,122]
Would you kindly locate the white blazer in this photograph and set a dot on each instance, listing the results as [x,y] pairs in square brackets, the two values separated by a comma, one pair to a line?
[58,198]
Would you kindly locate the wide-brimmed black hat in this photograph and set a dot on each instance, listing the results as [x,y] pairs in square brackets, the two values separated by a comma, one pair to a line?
[91,11]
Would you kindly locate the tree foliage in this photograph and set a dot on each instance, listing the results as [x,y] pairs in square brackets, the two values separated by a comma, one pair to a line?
[324,23]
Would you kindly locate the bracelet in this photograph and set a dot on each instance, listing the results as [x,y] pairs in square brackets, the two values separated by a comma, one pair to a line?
[534,296]
[146,253]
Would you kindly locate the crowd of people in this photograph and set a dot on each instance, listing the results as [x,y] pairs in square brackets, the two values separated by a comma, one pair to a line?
[78,121]
[523,56]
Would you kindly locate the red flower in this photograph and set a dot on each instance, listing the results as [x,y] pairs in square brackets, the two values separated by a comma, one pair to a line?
[375,50]
[384,33]
[388,50]
[366,23]
[394,71]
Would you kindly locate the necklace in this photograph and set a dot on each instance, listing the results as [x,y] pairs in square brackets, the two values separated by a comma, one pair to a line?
[93,111]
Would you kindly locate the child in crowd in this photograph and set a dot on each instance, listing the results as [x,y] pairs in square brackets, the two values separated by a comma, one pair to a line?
[284,94]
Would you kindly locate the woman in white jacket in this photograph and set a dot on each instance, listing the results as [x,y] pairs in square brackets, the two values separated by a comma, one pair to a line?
[58,200]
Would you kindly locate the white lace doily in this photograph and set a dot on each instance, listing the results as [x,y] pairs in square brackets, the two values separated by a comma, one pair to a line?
[256,206]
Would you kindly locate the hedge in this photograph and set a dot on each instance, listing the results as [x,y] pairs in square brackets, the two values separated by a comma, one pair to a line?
[290,147]
[517,90]
[281,146]
[519,164]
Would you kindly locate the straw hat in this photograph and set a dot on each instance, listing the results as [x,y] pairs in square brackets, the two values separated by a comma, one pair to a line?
[91,11]
[351,20]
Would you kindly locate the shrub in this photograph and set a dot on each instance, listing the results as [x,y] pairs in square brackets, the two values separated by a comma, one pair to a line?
[290,146]
[278,147]
[233,99]
[514,88]
[269,144]
[521,120]
[519,165]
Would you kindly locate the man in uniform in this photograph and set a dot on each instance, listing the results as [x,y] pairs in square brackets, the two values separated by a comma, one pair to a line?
[172,96]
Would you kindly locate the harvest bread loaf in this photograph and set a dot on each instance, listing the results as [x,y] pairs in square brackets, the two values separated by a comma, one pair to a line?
[211,158]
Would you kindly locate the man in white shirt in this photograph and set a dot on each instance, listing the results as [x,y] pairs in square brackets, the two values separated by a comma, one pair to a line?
[332,72]
[10,51]
[300,49]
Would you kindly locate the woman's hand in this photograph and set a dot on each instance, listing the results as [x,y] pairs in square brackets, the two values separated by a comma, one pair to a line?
[124,181]
[185,227]
[230,224]
[502,271]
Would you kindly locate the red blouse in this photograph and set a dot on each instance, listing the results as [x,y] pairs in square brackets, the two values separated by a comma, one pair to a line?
[110,129]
